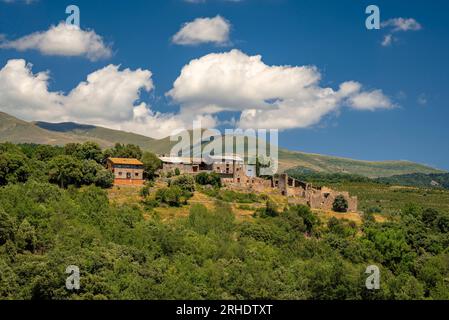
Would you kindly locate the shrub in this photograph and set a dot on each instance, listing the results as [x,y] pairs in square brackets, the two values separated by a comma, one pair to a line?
[373,210]
[239,197]
[150,203]
[173,196]
[310,220]
[185,182]
[270,209]
[177,172]
[340,204]
[212,179]
[145,191]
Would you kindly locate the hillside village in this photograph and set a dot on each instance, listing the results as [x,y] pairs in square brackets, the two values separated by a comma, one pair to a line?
[166,223]
[235,175]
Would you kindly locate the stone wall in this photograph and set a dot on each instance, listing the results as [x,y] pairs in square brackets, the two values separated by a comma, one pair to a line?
[317,198]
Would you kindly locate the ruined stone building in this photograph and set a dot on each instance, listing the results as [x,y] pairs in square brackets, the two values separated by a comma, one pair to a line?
[237,175]
[315,197]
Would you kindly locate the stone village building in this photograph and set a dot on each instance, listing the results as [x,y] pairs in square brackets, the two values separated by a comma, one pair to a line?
[237,175]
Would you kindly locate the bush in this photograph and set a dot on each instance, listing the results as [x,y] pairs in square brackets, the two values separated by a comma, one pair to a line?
[270,210]
[150,203]
[185,182]
[373,210]
[205,179]
[173,196]
[309,219]
[233,196]
[340,204]
[145,191]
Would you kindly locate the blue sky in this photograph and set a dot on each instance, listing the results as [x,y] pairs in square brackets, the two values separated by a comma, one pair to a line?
[412,72]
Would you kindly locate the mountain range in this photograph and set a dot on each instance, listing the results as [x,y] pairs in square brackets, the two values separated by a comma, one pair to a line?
[18,131]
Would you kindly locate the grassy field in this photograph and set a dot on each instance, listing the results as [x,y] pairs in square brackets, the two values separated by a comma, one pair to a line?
[391,199]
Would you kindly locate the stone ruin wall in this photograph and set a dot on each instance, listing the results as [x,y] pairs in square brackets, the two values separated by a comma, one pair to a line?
[298,192]
[317,198]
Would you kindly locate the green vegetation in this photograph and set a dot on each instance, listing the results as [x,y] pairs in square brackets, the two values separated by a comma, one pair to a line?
[436,180]
[326,164]
[173,196]
[320,179]
[232,196]
[208,255]
[208,179]
[340,204]
[185,182]
[50,220]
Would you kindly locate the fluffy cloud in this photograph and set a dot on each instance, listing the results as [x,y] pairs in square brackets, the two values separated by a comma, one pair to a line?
[398,25]
[204,30]
[109,97]
[388,40]
[62,40]
[280,97]
[402,24]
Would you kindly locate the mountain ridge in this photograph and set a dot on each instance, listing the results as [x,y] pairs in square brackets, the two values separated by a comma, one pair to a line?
[15,130]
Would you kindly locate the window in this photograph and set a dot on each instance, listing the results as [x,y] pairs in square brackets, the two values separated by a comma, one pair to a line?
[137,174]
[120,173]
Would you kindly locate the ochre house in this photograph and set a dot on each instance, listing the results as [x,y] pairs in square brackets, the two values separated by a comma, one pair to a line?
[126,171]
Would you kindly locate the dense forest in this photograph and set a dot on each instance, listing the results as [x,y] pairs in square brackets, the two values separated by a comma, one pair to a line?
[55,212]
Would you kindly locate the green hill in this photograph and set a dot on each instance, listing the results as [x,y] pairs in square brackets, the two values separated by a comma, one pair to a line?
[434,180]
[303,162]
[19,131]
[108,136]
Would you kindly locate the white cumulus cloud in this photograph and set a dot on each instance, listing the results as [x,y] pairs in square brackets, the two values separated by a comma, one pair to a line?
[264,96]
[62,40]
[204,30]
[396,25]
[109,97]
[280,97]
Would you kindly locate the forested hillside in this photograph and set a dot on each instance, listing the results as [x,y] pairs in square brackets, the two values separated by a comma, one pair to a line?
[55,212]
